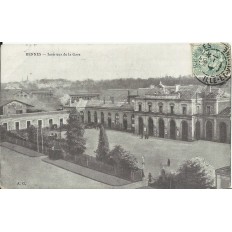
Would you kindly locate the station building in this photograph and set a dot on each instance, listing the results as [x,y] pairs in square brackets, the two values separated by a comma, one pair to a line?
[174,112]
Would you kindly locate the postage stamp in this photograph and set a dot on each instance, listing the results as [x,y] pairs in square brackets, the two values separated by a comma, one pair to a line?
[211,62]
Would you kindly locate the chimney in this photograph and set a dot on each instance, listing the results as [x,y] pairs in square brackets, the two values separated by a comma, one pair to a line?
[177,88]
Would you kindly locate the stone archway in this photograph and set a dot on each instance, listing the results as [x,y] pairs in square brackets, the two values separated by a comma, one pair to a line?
[198,130]
[95,117]
[161,128]
[172,129]
[109,120]
[102,118]
[125,122]
[140,125]
[150,127]
[209,130]
[223,132]
[184,131]
[89,117]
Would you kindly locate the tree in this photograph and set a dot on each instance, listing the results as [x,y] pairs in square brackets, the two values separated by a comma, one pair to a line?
[103,145]
[122,158]
[195,173]
[32,134]
[75,141]
[3,133]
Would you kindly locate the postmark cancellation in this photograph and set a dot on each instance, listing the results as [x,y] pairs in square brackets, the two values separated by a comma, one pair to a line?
[211,62]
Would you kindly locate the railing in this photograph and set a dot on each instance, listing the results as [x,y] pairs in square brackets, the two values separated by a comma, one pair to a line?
[24,143]
[92,163]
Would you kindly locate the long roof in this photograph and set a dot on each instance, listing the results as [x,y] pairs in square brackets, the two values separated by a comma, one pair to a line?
[109,105]
[5,102]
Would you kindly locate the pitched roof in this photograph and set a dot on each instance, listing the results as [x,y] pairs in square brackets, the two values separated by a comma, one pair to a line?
[225,112]
[110,105]
[5,102]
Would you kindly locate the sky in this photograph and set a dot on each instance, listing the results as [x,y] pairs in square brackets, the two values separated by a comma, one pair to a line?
[95,62]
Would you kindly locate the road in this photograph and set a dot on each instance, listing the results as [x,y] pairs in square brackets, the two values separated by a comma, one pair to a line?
[20,171]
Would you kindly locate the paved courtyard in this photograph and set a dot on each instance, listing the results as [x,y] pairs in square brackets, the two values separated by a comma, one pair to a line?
[157,151]
[21,171]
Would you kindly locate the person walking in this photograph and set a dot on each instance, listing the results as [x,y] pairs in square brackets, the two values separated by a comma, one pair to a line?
[168,163]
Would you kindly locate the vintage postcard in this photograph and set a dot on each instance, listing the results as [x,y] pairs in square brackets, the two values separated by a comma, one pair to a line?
[140,116]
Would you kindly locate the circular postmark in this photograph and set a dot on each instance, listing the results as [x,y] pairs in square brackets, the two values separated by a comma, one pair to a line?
[211,63]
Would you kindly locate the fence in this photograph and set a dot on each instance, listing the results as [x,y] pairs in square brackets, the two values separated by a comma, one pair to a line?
[29,145]
[92,163]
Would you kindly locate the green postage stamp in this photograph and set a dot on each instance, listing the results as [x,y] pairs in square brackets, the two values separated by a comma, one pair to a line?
[211,62]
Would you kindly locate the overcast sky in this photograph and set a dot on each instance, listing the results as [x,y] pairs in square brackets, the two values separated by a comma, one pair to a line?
[95,61]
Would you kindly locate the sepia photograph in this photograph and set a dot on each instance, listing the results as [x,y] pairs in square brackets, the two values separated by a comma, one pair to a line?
[115,116]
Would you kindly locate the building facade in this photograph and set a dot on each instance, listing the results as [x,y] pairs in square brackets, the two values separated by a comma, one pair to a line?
[38,119]
[182,112]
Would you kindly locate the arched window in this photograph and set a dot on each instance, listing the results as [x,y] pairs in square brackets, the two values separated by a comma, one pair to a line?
[172,108]
[160,104]
[140,106]
[149,106]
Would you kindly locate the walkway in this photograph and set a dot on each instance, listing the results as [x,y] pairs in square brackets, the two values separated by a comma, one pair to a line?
[22,150]
[87,172]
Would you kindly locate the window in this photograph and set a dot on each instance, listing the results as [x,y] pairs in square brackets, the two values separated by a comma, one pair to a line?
[208,109]
[61,122]
[5,125]
[39,123]
[140,107]
[117,119]
[19,111]
[149,107]
[28,124]
[17,126]
[172,109]
[160,108]
[198,109]
[184,110]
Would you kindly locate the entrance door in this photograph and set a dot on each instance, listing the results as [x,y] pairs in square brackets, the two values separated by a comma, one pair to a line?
[172,129]
[161,128]
[150,127]
[223,132]
[89,117]
[198,130]
[209,130]
[184,131]
[109,120]
[102,118]
[125,122]
[95,117]
[140,125]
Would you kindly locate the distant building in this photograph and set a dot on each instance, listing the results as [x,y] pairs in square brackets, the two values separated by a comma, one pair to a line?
[84,96]
[223,177]
[10,107]
[20,94]
[42,94]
